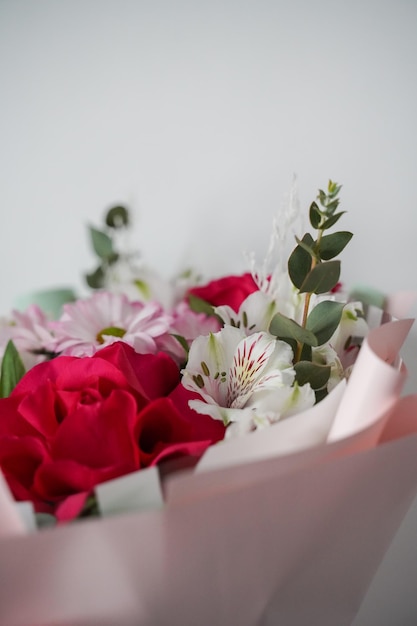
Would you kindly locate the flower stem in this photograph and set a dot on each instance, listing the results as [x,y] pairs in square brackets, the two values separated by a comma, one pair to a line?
[307,302]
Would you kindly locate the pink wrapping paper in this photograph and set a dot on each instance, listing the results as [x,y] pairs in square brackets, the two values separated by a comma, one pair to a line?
[292,539]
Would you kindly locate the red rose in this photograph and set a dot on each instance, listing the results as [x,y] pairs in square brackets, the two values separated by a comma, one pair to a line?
[230,290]
[72,423]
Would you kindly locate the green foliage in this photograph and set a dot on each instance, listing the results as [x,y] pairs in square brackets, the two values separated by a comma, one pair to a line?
[283,327]
[102,243]
[117,217]
[313,269]
[332,245]
[198,305]
[307,372]
[299,263]
[12,370]
[95,280]
[322,278]
[324,319]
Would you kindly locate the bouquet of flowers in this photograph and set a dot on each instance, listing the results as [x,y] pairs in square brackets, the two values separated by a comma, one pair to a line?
[237,420]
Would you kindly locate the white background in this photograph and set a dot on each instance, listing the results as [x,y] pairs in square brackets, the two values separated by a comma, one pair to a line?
[197,115]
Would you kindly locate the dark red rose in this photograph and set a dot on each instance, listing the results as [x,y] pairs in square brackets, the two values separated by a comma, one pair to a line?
[230,290]
[72,423]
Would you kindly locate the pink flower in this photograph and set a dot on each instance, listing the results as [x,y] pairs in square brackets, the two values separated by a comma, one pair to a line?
[30,334]
[72,423]
[91,324]
[187,324]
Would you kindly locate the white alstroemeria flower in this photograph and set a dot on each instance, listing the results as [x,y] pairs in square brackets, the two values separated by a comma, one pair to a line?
[352,324]
[290,400]
[241,379]
[254,315]
[326,355]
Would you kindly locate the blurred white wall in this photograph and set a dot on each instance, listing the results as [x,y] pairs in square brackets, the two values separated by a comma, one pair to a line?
[197,114]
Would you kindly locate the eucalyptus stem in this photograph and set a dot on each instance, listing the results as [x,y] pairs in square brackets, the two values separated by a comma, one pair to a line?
[307,302]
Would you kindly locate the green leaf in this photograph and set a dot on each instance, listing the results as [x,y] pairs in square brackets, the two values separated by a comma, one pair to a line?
[95,280]
[198,305]
[322,197]
[12,370]
[117,217]
[306,353]
[315,215]
[332,245]
[316,375]
[332,206]
[321,394]
[282,326]
[144,288]
[307,247]
[331,221]
[182,341]
[322,278]
[333,188]
[102,244]
[324,319]
[299,263]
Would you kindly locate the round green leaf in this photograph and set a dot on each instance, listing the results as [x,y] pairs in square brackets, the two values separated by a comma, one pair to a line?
[332,245]
[324,319]
[299,263]
[102,244]
[322,278]
[316,375]
[284,327]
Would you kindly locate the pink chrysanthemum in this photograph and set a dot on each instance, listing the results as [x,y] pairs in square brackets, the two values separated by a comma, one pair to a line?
[91,324]
[30,333]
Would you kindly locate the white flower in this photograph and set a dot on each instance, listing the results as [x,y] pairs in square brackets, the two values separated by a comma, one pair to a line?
[352,324]
[89,325]
[326,355]
[243,379]
[254,315]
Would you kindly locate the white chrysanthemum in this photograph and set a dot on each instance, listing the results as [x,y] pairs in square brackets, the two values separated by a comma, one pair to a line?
[245,379]
[91,324]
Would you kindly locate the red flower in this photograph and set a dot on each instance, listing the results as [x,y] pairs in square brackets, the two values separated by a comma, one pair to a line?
[72,423]
[230,290]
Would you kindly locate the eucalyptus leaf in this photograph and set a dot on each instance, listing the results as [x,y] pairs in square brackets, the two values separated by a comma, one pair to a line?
[316,375]
[102,244]
[308,248]
[324,319]
[282,327]
[299,263]
[332,206]
[332,245]
[315,215]
[12,370]
[117,217]
[331,221]
[306,353]
[333,188]
[322,278]
[95,280]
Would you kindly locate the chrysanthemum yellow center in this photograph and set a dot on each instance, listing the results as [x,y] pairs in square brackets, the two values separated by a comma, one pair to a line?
[113,331]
